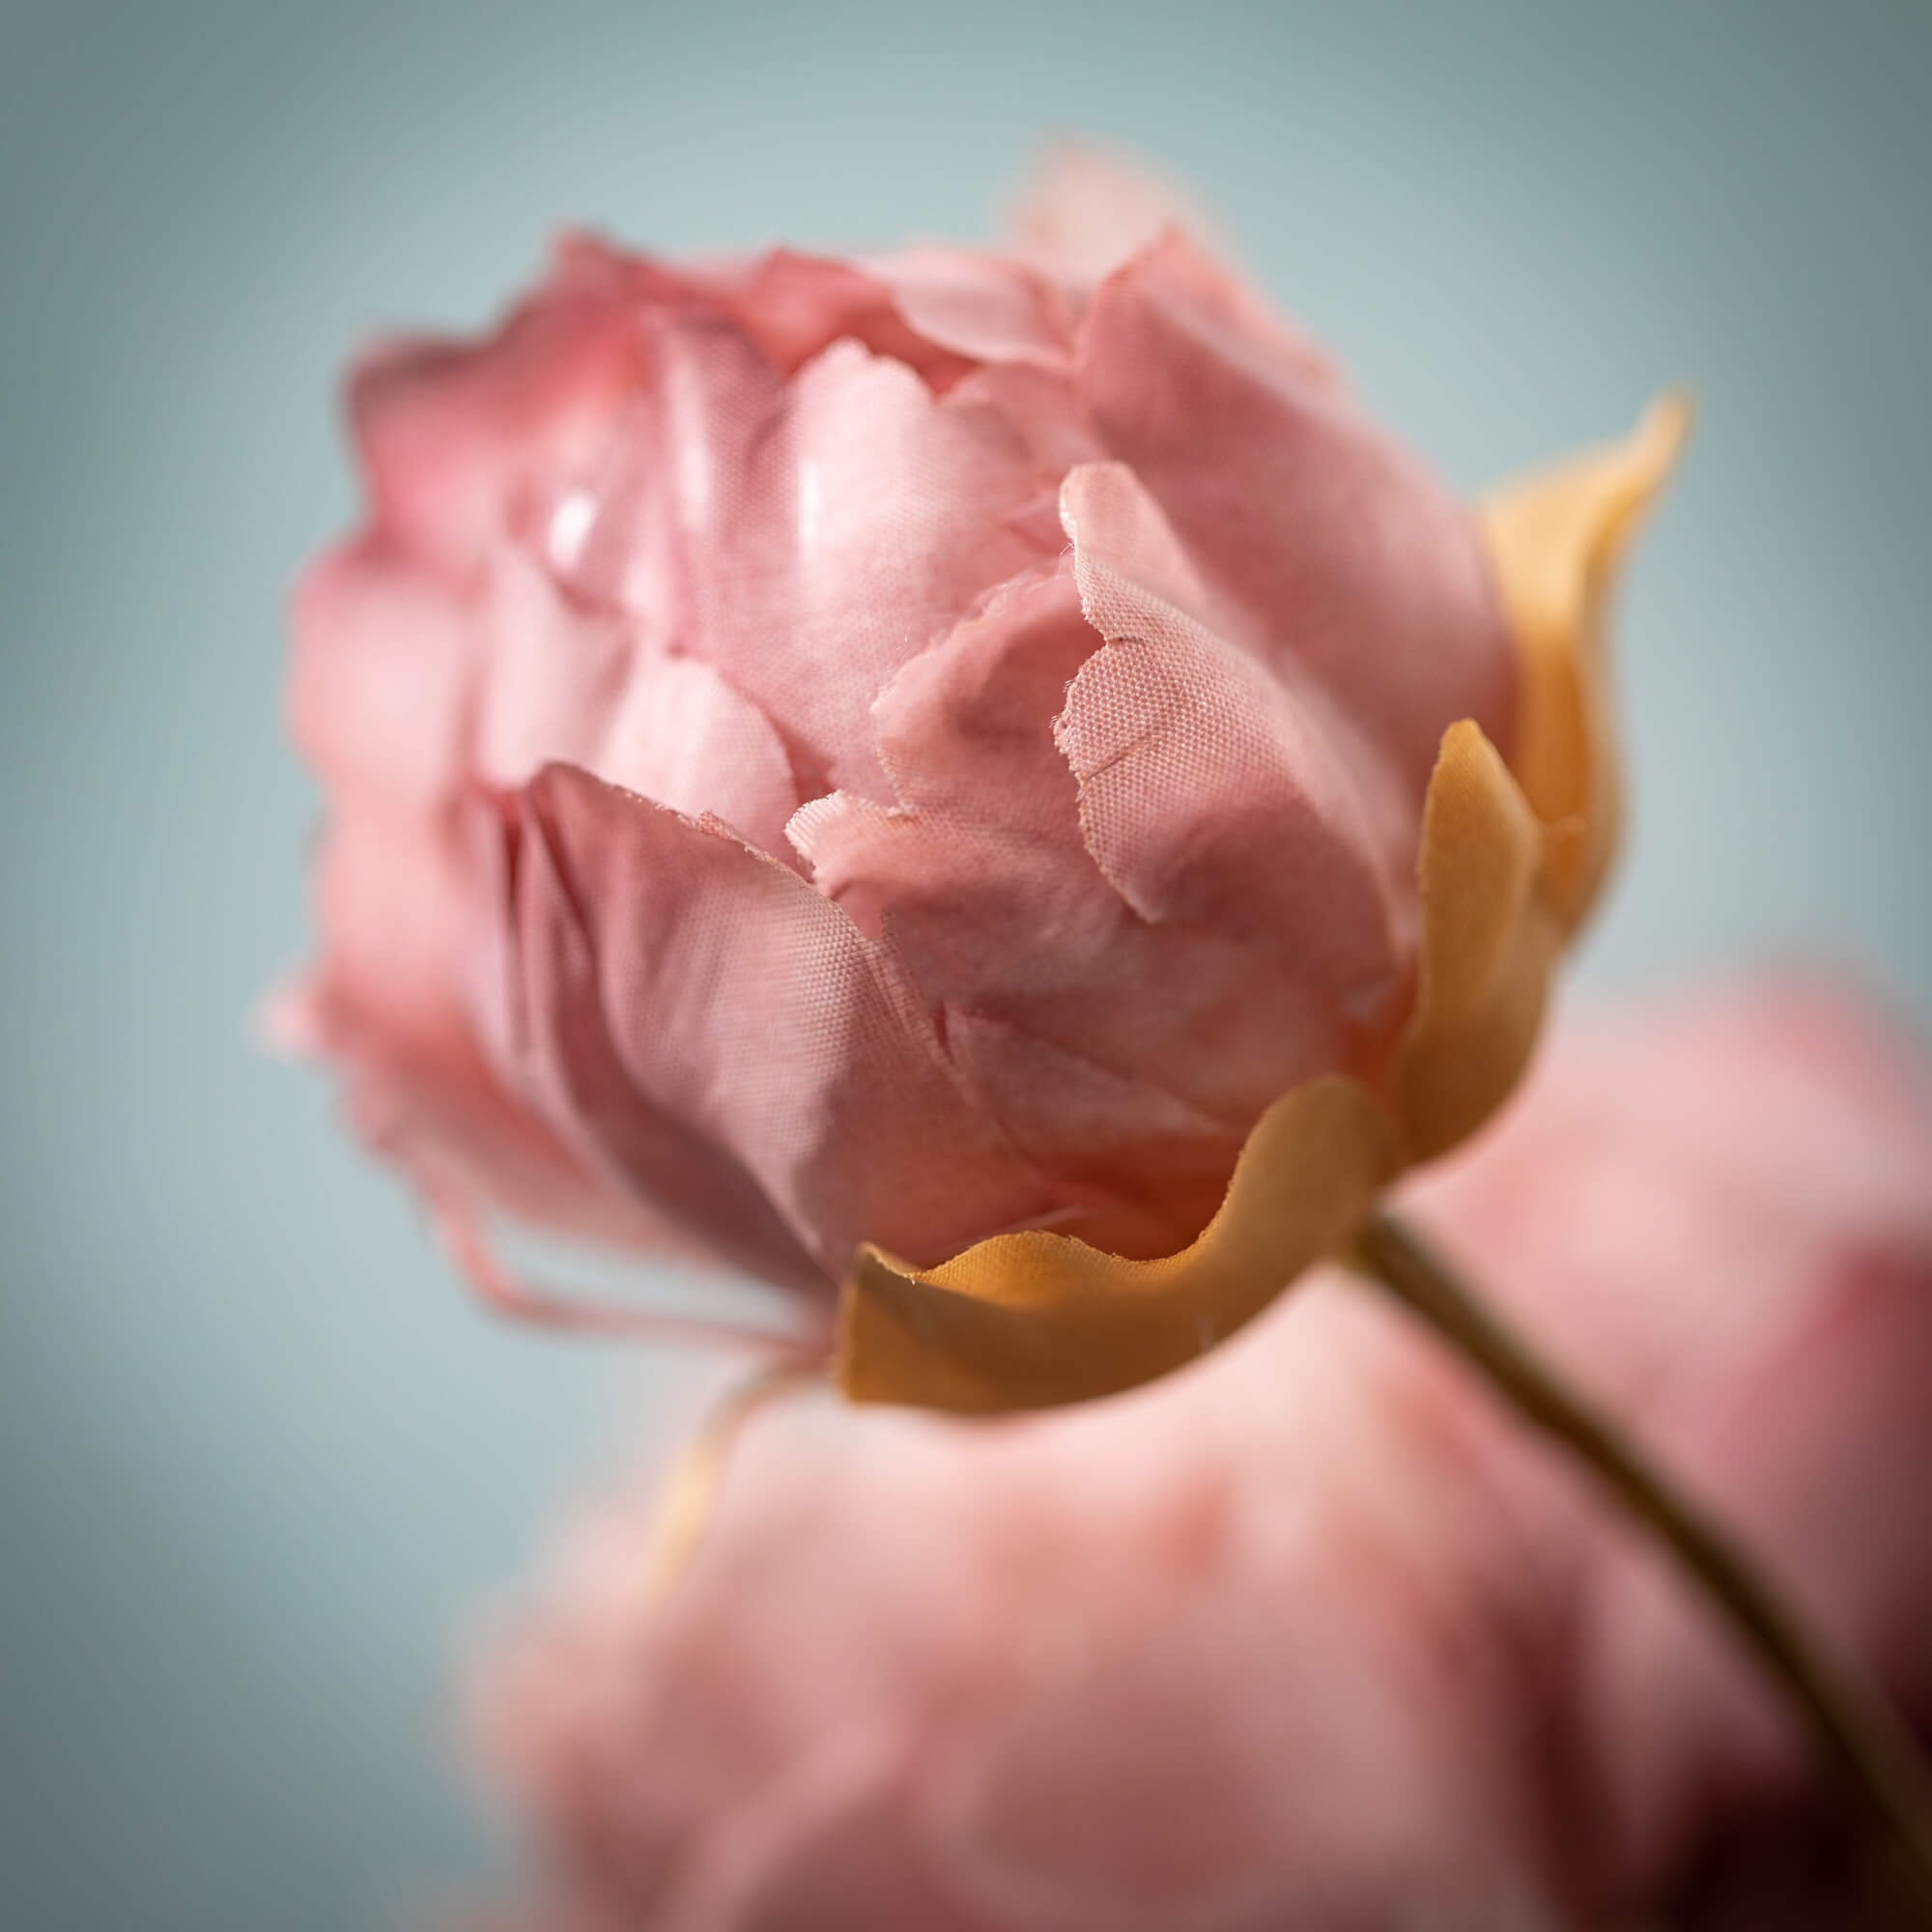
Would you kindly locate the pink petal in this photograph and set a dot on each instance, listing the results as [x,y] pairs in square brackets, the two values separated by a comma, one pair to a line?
[1203,1757]
[1215,796]
[570,684]
[674,990]
[382,668]
[795,307]
[1126,1059]
[549,1028]
[1084,211]
[978,305]
[386,1002]
[1354,566]
[864,532]
[554,670]
[1140,1170]
[940,311]
[682,737]
[1125,1054]
[1044,414]
[1753,1172]
[803,539]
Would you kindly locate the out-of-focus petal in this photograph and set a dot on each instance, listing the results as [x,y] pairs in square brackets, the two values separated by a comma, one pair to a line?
[554,670]
[1084,211]
[1315,1634]
[456,437]
[386,1003]
[978,305]
[1718,1216]
[795,307]
[381,674]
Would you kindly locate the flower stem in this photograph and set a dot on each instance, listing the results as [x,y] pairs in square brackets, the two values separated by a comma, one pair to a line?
[1865,1739]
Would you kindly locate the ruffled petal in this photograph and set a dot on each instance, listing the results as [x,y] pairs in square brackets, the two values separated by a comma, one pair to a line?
[1214,796]
[1126,1058]
[1086,212]
[804,539]
[574,684]
[795,307]
[1355,568]
[672,994]
[1555,541]
[551,1025]
[979,306]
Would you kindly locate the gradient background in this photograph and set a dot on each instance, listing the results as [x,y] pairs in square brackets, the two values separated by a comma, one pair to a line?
[258,1460]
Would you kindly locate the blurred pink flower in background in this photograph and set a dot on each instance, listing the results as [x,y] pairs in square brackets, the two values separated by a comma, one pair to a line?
[1309,1634]
[899,748]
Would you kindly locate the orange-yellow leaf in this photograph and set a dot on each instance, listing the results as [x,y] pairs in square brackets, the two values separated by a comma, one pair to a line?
[1025,1321]
[1490,939]
[1555,540]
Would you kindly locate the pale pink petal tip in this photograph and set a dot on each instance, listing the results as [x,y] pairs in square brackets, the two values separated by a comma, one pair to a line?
[285,1020]
[1086,209]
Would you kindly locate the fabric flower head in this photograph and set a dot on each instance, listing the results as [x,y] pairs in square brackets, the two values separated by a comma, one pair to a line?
[912,771]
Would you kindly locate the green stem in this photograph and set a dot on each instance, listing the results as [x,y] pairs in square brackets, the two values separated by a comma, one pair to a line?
[1862,1737]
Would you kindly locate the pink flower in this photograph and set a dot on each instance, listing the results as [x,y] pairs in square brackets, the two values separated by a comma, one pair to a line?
[898,750]
[1311,1634]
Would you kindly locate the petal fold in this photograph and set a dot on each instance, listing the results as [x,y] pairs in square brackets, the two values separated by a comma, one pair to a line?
[729,1043]
[1355,569]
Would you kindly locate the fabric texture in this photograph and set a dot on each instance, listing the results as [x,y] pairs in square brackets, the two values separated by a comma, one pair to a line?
[893,750]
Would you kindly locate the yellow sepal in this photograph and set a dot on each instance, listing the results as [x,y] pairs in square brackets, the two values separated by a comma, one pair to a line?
[1029,1320]
[1555,539]
[1490,939]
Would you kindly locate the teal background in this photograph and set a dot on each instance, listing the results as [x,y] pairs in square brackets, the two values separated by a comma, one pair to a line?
[258,1459]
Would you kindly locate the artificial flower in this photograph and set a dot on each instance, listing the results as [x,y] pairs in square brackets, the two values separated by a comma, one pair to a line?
[981,778]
